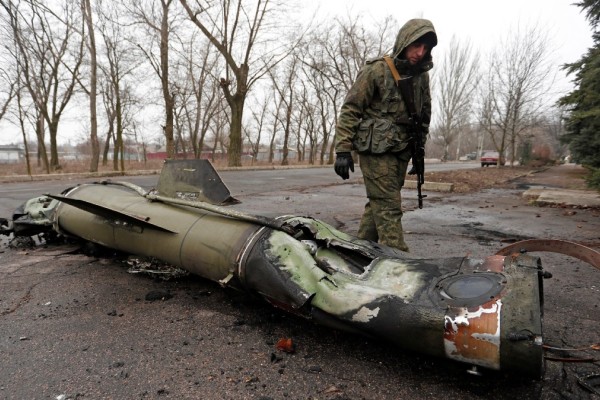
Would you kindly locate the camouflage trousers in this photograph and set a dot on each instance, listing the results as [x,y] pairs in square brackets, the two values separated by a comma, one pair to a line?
[382,218]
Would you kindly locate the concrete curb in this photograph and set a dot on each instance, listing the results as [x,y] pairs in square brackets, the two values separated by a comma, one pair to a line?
[409,184]
[570,198]
[431,186]
[72,176]
[112,174]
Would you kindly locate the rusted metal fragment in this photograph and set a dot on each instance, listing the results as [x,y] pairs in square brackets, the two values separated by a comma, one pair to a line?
[572,249]
[473,334]
[493,263]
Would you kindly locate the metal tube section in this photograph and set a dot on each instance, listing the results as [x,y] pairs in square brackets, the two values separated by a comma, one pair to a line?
[203,243]
[481,312]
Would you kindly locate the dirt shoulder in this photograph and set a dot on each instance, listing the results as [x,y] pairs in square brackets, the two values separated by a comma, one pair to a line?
[568,176]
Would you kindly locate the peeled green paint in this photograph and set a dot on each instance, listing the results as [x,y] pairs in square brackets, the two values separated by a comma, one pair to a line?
[341,291]
[385,278]
[321,230]
[40,209]
[291,256]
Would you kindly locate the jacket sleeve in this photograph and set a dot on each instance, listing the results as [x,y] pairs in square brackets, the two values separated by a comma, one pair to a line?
[357,100]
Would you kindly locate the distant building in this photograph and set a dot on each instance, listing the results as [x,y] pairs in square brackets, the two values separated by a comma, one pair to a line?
[11,154]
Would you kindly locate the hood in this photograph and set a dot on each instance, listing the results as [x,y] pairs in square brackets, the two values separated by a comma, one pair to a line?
[413,30]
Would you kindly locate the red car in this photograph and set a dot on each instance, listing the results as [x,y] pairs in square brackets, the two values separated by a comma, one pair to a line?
[489,158]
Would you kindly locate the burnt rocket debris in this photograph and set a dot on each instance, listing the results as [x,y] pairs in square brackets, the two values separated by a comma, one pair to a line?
[486,313]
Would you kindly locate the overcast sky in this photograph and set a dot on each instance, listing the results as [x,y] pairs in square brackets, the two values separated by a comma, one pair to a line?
[484,23]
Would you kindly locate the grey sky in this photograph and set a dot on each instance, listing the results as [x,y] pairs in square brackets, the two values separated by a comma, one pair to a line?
[483,23]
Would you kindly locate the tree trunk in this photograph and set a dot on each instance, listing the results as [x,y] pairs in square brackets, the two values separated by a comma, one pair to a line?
[164,66]
[107,145]
[286,134]
[87,9]
[119,133]
[234,155]
[23,132]
[42,153]
[53,130]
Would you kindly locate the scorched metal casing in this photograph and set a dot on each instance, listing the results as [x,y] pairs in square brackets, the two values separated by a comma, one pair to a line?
[481,312]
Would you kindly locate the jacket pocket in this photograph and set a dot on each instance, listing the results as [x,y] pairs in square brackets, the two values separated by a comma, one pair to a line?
[388,137]
[378,136]
[362,138]
[383,136]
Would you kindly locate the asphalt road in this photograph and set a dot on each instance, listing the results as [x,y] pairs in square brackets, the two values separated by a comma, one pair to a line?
[240,182]
[78,325]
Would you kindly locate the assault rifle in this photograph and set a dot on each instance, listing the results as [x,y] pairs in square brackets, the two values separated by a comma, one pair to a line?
[417,147]
[417,151]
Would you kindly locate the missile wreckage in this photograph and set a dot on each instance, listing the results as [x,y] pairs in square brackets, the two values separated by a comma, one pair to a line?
[483,312]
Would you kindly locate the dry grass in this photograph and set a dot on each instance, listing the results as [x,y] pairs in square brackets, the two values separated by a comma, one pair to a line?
[70,167]
[470,180]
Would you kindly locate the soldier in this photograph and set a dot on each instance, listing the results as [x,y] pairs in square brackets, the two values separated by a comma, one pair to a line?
[375,120]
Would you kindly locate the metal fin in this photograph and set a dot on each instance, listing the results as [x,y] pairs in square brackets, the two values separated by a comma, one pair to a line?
[193,180]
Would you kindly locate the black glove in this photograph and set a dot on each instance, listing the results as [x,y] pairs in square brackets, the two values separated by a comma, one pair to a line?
[413,171]
[343,164]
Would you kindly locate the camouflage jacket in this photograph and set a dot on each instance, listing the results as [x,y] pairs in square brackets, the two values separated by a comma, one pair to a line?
[368,118]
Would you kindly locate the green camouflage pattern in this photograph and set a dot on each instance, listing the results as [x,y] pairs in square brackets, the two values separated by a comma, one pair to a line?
[382,218]
[368,123]
[374,95]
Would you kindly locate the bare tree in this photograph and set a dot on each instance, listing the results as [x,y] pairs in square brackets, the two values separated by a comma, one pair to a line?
[86,10]
[8,88]
[49,56]
[455,82]
[275,125]
[285,86]
[238,30]
[15,91]
[259,118]
[198,94]
[307,125]
[21,115]
[335,53]
[180,121]
[217,128]
[26,111]
[513,96]
[160,20]
[108,98]
[319,88]
[118,64]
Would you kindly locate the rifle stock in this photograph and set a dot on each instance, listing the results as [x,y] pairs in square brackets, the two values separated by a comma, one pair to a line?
[418,157]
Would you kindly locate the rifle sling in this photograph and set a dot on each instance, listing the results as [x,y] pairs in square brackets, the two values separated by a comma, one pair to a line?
[405,86]
[390,64]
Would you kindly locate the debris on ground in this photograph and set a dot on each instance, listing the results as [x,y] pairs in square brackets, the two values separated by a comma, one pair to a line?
[286,345]
[156,295]
[154,268]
